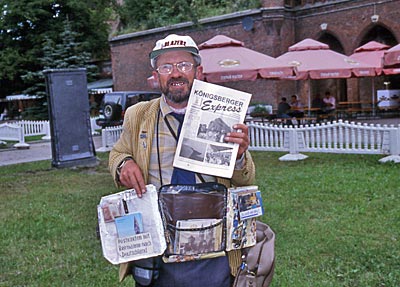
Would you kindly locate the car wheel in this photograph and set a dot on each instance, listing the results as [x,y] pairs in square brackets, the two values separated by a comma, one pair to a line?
[112,111]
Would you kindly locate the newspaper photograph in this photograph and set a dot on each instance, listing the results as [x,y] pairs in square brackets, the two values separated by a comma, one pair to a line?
[211,113]
[198,236]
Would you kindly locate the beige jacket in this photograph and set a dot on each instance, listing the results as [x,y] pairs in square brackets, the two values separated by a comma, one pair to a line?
[136,141]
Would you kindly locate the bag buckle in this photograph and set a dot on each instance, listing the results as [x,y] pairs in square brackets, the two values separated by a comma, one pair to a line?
[250,279]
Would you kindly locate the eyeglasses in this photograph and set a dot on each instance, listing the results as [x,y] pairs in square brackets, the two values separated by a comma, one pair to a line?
[183,67]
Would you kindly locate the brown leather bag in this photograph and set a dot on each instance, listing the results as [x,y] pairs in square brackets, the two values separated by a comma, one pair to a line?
[257,268]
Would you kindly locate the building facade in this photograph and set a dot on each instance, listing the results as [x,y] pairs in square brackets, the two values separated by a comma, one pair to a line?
[342,24]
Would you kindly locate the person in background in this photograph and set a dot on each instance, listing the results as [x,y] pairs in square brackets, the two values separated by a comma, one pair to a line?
[283,109]
[319,105]
[330,102]
[330,105]
[145,151]
[317,102]
[296,108]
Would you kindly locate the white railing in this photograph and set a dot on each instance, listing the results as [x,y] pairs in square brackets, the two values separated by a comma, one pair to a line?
[35,128]
[336,137]
[109,137]
[13,132]
[94,126]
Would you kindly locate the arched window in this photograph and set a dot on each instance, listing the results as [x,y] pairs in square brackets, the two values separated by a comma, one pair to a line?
[379,34]
[332,41]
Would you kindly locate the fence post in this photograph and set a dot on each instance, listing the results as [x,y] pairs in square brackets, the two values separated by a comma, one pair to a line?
[294,154]
[104,147]
[94,125]
[21,139]
[46,130]
[394,147]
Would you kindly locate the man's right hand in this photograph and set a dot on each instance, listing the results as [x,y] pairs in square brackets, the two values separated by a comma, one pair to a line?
[131,177]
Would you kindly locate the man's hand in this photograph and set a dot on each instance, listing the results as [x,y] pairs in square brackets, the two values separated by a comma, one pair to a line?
[241,137]
[131,177]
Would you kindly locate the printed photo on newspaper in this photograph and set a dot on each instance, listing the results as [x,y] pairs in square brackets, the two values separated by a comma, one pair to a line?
[211,113]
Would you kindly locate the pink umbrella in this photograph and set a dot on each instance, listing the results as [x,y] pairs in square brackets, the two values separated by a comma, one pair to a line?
[391,60]
[314,60]
[225,59]
[372,54]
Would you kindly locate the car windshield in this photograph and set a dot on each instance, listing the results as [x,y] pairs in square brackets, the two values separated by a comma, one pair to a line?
[113,98]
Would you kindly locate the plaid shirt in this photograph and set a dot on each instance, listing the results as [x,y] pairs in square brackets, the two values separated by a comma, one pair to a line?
[167,146]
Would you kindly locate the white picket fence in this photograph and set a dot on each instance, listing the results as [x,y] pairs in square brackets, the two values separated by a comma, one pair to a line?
[336,137]
[109,137]
[13,132]
[10,132]
[36,128]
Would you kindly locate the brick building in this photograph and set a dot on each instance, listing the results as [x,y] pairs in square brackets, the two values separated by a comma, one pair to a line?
[342,24]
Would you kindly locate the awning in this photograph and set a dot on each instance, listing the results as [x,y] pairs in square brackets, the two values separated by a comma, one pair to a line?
[102,86]
[11,98]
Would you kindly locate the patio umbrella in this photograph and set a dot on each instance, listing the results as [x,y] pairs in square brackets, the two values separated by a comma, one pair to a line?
[371,53]
[314,60]
[391,60]
[225,59]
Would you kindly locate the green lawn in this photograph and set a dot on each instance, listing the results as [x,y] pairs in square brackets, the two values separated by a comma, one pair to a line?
[336,219]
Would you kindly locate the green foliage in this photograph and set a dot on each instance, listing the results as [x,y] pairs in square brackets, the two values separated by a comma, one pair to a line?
[335,216]
[37,112]
[67,54]
[260,109]
[147,14]
[26,24]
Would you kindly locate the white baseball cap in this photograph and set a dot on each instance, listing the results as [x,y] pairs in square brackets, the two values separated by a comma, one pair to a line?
[175,42]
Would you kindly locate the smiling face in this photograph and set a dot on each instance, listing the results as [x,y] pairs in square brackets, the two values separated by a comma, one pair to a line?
[176,86]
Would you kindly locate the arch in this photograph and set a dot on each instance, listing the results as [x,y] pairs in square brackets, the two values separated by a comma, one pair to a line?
[378,33]
[332,41]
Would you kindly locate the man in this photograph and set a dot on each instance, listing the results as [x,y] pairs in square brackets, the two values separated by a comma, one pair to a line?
[283,109]
[330,102]
[145,151]
[317,102]
[296,108]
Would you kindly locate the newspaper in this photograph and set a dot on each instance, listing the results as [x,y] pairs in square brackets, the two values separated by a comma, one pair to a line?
[211,113]
[241,232]
[130,227]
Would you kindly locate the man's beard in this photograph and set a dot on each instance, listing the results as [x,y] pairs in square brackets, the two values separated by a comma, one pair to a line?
[176,97]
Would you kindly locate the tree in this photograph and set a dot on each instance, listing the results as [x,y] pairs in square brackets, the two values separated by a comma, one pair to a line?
[67,54]
[146,14]
[26,24]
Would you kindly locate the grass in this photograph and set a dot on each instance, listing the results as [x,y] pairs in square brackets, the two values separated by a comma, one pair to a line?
[336,219]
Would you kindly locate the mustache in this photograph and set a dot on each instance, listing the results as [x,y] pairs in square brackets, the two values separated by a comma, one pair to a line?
[170,81]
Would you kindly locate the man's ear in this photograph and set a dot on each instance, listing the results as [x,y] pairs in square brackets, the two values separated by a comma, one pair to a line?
[155,75]
[199,72]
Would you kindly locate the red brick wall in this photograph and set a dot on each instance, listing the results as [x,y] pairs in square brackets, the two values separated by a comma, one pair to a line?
[275,29]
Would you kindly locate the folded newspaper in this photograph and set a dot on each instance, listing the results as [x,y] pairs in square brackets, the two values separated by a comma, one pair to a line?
[244,205]
[130,227]
[211,113]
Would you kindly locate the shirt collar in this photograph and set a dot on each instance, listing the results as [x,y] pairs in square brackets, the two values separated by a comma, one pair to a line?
[167,109]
